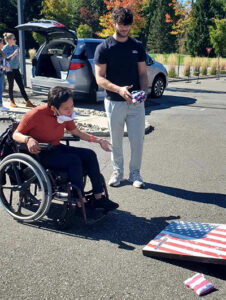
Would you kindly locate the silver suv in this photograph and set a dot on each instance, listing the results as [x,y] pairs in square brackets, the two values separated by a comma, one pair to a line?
[65,60]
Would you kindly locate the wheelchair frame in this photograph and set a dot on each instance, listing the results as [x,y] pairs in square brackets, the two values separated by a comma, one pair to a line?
[27,189]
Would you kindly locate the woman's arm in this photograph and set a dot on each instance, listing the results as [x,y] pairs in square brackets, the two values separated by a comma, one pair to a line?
[91,138]
[32,144]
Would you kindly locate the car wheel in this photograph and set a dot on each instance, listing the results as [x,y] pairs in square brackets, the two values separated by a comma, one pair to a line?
[158,87]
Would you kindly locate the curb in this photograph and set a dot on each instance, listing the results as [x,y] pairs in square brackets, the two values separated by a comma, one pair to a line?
[84,126]
[194,78]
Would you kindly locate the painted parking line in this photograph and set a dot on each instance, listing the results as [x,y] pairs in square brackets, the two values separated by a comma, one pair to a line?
[190,108]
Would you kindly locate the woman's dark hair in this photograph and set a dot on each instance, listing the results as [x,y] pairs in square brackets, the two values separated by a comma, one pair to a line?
[122,15]
[1,40]
[58,95]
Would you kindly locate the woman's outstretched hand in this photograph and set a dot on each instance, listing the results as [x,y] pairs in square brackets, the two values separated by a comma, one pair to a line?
[105,145]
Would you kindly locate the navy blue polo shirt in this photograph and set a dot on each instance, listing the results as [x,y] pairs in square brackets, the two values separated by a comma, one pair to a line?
[121,59]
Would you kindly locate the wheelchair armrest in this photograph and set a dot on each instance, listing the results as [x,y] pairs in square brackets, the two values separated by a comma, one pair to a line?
[43,146]
[21,146]
[69,138]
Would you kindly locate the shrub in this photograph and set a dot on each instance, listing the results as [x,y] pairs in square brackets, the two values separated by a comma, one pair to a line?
[38,38]
[222,65]
[187,66]
[196,64]
[84,31]
[160,59]
[213,66]
[204,65]
[31,53]
[172,63]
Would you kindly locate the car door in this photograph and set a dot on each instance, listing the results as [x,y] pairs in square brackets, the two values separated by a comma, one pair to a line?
[51,30]
[91,45]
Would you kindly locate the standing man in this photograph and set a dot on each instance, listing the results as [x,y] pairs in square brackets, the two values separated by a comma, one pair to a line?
[120,68]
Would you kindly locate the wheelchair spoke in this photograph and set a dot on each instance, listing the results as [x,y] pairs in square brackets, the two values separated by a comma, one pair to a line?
[17,174]
[29,181]
[11,198]
[32,199]
[12,187]
[19,206]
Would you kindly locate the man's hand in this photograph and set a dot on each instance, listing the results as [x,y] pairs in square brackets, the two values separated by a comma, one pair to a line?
[33,146]
[124,93]
[105,145]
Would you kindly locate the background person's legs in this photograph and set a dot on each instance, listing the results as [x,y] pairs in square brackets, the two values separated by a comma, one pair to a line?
[116,113]
[136,128]
[20,84]
[1,87]
[10,78]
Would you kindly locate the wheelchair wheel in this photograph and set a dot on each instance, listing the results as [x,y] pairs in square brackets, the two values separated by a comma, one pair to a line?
[25,189]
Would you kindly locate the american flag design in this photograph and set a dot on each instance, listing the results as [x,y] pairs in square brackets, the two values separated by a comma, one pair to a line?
[190,241]
[199,284]
[138,96]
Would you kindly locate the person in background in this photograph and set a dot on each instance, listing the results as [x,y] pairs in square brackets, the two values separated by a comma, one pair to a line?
[3,67]
[120,66]
[11,51]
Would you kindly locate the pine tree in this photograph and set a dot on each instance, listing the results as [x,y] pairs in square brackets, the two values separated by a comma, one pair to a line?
[204,11]
[159,38]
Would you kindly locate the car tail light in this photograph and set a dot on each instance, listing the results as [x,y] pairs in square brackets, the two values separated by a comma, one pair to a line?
[76,66]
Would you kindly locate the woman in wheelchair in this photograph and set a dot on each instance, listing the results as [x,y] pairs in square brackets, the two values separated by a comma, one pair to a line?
[46,124]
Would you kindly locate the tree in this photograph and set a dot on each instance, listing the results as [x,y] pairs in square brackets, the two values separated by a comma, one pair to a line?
[218,36]
[88,11]
[138,20]
[180,24]
[59,10]
[203,12]
[149,7]
[159,38]
[9,17]
[84,31]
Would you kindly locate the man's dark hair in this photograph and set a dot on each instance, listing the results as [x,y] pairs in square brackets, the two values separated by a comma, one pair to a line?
[58,95]
[122,15]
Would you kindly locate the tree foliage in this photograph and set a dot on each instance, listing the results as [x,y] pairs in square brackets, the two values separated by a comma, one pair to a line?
[159,38]
[181,21]
[203,13]
[138,20]
[84,31]
[218,36]
[60,10]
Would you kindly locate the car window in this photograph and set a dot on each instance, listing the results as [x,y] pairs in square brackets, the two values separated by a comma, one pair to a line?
[60,48]
[149,60]
[90,49]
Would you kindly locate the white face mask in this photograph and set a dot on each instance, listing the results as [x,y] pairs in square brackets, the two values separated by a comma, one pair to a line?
[62,118]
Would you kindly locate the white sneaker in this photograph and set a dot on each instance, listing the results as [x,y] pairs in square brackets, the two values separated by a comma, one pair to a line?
[136,179]
[3,108]
[116,178]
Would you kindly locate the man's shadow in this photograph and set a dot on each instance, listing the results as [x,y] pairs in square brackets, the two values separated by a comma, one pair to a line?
[167,101]
[207,198]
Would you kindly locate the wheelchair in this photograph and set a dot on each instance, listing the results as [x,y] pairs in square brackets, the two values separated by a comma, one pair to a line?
[27,189]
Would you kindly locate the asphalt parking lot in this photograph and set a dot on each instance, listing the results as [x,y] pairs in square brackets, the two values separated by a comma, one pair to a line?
[184,168]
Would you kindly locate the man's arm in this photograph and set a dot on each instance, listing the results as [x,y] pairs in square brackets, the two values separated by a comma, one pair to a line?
[143,76]
[123,91]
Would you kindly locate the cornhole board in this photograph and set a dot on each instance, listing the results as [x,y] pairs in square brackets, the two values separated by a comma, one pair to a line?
[193,241]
